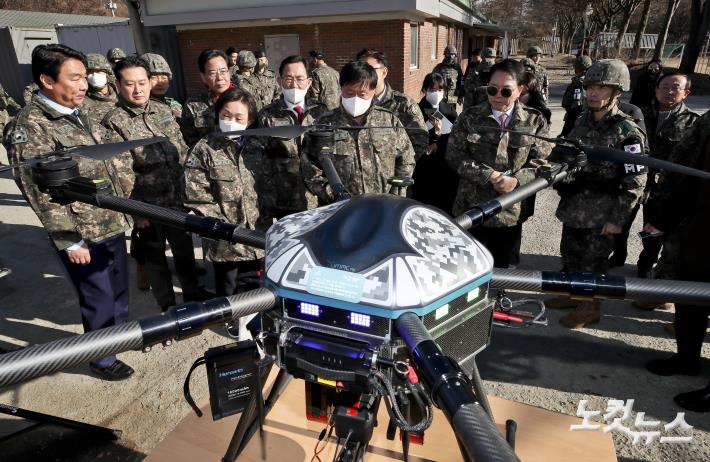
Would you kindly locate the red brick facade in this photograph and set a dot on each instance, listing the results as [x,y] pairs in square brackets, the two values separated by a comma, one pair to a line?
[340,42]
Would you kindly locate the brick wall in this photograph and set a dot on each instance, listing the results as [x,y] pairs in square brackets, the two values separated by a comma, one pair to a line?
[340,42]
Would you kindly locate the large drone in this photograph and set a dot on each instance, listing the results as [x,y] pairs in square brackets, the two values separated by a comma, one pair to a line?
[366,299]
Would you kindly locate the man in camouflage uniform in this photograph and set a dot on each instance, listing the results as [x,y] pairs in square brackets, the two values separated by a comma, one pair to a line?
[477,80]
[535,53]
[574,93]
[451,70]
[667,120]
[269,88]
[102,95]
[406,109]
[198,118]
[491,162]
[598,203]
[325,84]
[681,211]
[364,158]
[160,77]
[158,179]
[89,241]
[8,109]
[245,78]
[115,55]
[283,181]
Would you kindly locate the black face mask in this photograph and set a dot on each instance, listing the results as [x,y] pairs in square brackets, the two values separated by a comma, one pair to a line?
[450,58]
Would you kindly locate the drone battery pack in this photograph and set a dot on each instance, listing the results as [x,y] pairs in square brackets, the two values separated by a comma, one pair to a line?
[231,376]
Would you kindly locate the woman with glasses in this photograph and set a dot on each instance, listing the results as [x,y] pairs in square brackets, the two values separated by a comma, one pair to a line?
[222,180]
[198,113]
[491,162]
[435,183]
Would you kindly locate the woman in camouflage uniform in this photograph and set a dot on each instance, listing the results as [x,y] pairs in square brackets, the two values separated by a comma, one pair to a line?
[221,181]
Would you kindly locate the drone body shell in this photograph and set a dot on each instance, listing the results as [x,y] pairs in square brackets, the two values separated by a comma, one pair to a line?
[374,254]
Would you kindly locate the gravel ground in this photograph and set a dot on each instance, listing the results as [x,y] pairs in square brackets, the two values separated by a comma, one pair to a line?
[550,367]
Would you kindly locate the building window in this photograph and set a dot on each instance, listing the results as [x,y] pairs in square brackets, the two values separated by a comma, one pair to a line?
[413,45]
[434,37]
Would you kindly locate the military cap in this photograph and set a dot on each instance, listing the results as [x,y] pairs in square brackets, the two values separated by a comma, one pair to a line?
[115,53]
[532,51]
[450,50]
[246,59]
[99,62]
[488,53]
[582,62]
[318,54]
[157,64]
[259,54]
[527,62]
[609,73]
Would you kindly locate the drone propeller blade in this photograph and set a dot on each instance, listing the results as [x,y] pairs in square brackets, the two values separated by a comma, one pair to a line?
[543,138]
[285,132]
[618,156]
[109,150]
[4,168]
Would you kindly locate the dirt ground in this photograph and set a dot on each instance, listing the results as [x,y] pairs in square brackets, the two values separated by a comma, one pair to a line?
[549,367]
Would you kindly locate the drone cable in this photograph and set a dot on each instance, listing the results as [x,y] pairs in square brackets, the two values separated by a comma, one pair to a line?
[385,388]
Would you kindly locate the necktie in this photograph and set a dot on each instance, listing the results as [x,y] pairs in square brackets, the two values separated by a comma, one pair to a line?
[75,114]
[299,111]
[502,152]
[502,118]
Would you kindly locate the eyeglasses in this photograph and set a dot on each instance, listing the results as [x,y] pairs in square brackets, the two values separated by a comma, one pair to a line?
[298,80]
[505,92]
[222,72]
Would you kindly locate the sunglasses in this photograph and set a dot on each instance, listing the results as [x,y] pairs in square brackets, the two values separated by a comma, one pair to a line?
[504,92]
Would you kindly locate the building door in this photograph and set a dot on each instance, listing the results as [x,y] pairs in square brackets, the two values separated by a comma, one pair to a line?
[280,46]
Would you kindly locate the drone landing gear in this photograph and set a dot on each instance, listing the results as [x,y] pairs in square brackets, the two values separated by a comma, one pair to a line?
[43,419]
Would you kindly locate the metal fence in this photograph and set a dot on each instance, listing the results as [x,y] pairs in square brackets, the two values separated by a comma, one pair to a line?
[549,45]
[702,66]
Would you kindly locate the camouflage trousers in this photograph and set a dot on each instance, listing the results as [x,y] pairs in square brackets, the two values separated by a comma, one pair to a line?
[585,249]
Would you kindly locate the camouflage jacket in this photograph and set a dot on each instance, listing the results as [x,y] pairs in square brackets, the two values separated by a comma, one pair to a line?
[681,205]
[222,180]
[252,85]
[198,118]
[29,91]
[662,139]
[574,93]
[269,88]
[454,79]
[604,192]
[475,88]
[364,158]
[284,189]
[541,76]
[39,129]
[8,109]
[474,153]
[325,87]
[98,105]
[172,103]
[157,167]
[410,115]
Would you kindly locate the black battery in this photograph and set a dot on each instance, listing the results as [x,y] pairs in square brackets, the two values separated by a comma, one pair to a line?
[231,376]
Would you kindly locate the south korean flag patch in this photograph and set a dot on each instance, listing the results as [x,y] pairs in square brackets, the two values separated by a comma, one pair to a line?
[633,168]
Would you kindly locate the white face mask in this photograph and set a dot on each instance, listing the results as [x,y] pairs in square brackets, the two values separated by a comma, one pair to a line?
[434,97]
[356,106]
[97,79]
[231,126]
[294,95]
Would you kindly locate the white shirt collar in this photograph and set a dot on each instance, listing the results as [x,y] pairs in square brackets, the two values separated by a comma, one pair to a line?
[290,106]
[509,113]
[56,106]
[381,96]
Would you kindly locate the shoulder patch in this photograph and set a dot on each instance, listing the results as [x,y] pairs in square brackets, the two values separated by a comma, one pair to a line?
[18,136]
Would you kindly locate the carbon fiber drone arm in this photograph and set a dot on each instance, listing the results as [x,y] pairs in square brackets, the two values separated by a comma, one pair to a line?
[204,226]
[452,392]
[589,285]
[180,322]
